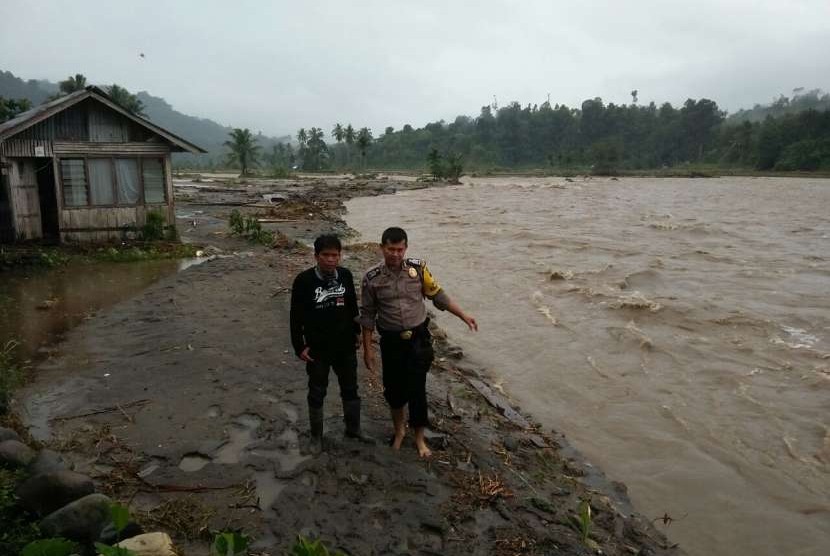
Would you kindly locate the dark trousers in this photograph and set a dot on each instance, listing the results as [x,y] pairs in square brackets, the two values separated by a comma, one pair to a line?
[345,367]
[405,367]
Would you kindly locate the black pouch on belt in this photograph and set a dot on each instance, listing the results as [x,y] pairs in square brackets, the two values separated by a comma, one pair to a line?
[423,353]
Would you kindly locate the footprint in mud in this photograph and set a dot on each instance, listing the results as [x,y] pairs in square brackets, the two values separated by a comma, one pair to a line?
[286,452]
[268,489]
[290,412]
[241,434]
[194,461]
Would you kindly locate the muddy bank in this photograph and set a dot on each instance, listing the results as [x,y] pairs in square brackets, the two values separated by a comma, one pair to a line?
[186,403]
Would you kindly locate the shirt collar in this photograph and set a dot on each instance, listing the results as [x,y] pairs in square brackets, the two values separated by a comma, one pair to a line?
[322,276]
[387,270]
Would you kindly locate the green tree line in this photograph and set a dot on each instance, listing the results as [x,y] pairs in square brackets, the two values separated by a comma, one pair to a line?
[793,134]
[610,137]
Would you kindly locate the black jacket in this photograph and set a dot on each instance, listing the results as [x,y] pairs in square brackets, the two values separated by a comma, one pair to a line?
[323,312]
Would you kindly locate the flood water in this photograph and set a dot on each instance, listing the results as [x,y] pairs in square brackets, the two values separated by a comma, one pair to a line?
[38,306]
[677,331]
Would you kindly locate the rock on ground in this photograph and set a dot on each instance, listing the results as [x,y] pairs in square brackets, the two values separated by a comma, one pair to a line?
[81,520]
[8,434]
[14,453]
[149,544]
[47,461]
[45,493]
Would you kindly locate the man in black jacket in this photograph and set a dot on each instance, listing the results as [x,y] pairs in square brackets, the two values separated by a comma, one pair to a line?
[325,335]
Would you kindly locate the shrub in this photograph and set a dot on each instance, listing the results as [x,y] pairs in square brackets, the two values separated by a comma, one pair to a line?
[153,229]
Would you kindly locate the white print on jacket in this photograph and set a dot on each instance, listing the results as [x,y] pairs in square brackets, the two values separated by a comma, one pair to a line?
[321,295]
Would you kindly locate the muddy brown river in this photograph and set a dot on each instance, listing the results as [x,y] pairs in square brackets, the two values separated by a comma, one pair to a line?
[677,331]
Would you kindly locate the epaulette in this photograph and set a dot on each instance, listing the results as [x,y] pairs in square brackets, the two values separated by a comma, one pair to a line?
[415,262]
[372,272]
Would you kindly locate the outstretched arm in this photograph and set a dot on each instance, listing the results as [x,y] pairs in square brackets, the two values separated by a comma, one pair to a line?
[456,310]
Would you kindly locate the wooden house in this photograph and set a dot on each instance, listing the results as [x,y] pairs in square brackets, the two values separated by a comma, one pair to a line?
[81,168]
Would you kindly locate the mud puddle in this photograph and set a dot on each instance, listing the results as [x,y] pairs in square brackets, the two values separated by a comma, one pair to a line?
[37,307]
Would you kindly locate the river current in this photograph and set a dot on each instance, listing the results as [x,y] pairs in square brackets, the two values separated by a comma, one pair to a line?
[677,331]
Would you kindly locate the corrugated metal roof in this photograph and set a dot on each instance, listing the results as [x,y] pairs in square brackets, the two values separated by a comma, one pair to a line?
[46,110]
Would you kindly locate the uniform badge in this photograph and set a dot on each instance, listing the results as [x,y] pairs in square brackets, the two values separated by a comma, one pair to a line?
[413,273]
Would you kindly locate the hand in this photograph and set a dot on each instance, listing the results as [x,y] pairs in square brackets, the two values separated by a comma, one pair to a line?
[305,355]
[470,322]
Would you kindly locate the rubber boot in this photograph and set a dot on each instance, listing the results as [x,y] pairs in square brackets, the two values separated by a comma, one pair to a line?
[315,421]
[351,417]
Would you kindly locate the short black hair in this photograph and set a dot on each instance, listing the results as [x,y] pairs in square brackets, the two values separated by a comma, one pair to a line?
[327,241]
[393,235]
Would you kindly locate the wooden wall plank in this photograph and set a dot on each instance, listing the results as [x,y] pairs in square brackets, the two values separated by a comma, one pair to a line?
[109,148]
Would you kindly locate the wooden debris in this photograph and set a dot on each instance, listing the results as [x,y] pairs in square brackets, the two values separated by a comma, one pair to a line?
[102,410]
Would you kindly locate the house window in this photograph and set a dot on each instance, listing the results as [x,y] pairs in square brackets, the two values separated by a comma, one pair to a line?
[100,181]
[74,182]
[126,171]
[112,181]
[152,172]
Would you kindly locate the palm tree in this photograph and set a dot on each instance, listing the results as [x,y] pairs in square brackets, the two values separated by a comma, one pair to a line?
[316,150]
[126,100]
[349,135]
[338,133]
[243,149]
[72,84]
[364,140]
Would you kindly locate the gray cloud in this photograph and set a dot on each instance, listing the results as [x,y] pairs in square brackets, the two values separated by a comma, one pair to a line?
[277,66]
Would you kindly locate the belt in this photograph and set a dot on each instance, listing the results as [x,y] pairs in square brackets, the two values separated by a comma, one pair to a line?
[405,334]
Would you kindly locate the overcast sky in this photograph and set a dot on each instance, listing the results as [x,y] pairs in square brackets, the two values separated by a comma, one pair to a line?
[277,66]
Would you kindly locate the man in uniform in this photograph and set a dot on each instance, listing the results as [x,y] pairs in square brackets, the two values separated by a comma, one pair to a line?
[325,335]
[393,299]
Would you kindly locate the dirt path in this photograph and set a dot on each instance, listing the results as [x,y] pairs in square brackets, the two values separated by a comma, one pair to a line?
[202,419]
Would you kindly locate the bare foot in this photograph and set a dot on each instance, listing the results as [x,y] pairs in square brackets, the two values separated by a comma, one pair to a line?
[423,450]
[396,443]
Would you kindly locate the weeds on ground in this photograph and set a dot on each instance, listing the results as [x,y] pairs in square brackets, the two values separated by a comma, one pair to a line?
[12,374]
[14,256]
[307,547]
[27,256]
[50,547]
[229,543]
[153,229]
[18,528]
[184,517]
[249,228]
[585,520]
[142,252]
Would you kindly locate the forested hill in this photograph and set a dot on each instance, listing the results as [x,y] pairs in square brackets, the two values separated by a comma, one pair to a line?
[800,101]
[204,132]
[36,91]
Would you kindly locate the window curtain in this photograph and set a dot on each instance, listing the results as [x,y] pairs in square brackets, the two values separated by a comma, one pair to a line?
[126,170]
[100,181]
[153,173]
[74,182]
